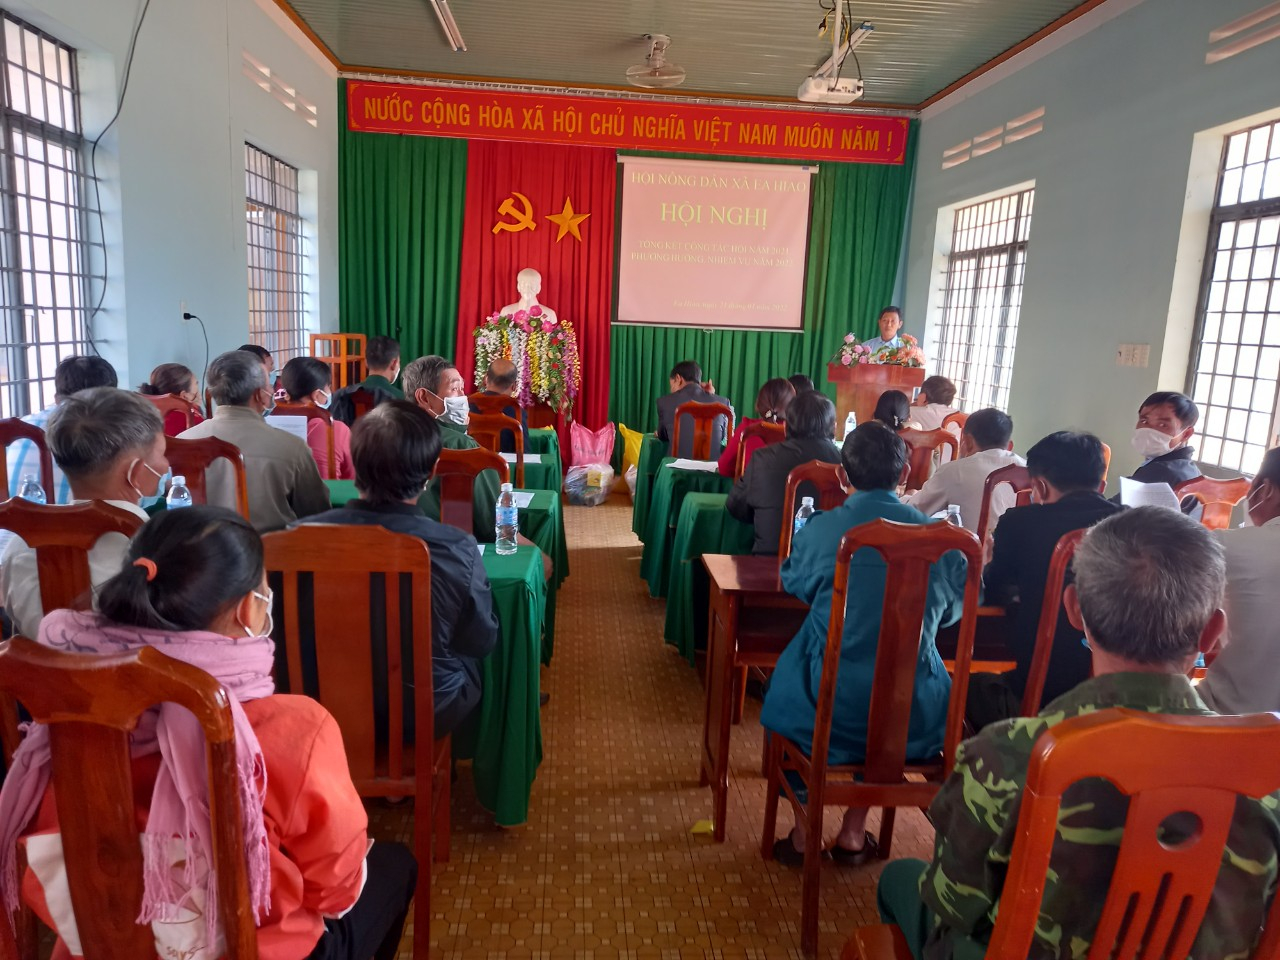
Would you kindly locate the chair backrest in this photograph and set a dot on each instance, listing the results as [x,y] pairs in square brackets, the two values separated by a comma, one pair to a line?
[362,401]
[344,353]
[14,429]
[168,403]
[703,416]
[457,471]
[1047,626]
[490,402]
[959,418]
[1015,476]
[62,537]
[908,551]
[1165,765]
[191,459]
[1217,497]
[486,429]
[348,567]
[312,412]
[761,433]
[920,447]
[90,703]
[830,486]
[1106,466]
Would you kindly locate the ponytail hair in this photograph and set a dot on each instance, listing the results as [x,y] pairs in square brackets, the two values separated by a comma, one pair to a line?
[183,570]
[171,378]
[893,409]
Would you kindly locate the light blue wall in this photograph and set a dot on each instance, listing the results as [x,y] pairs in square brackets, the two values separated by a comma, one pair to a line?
[1123,104]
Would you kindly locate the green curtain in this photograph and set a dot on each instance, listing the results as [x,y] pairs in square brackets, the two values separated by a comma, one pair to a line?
[400,207]
[855,240]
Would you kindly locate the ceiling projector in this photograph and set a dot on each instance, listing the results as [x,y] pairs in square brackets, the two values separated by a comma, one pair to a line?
[828,90]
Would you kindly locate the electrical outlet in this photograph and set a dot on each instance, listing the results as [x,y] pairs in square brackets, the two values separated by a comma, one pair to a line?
[182,310]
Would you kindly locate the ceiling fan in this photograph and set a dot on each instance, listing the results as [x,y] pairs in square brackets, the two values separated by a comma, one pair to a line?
[655,72]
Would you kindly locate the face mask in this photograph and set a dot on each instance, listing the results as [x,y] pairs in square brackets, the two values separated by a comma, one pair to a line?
[159,480]
[395,375]
[1149,443]
[270,625]
[328,400]
[273,376]
[456,410]
[1248,508]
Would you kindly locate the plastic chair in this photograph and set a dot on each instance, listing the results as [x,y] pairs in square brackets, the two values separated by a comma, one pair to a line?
[1047,627]
[703,417]
[921,445]
[762,433]
[12,430]
[1218,498]
[1106,466]
[341,563]
[192,458]
[312,412]
[1015,476]
[90,703]
[908,551]
[457,471]
[486,429]
[362,401]
[830,485]
[1159,892]
[490,402]
[168,403]
[344,353]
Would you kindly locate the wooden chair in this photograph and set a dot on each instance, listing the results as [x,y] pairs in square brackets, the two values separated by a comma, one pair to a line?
[1159,892]
[486,429]
[830,485]
[168,403]
[312,412]
[348,567]
[457,471]
[703,417]
[1106,466]
[490,402]
[192,458]
[62,538]
[908,550]
[1015,476]
[921,445]
[12,430]
[1217,497]
[764,433]
[1047,627]
[90,704]
[958,418]
[362,401]
[344,353]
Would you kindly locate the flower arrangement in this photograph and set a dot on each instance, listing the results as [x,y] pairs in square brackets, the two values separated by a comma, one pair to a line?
[545,351]
[852,352]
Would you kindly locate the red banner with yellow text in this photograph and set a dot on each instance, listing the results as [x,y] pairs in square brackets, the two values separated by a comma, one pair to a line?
[812,135]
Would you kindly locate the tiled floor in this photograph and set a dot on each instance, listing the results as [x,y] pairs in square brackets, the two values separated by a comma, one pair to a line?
[607,865]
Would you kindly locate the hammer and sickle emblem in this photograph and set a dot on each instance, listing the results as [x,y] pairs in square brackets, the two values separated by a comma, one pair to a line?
[523,219]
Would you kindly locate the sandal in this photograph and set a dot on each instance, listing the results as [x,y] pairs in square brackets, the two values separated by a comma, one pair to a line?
[854,858]
[785,852]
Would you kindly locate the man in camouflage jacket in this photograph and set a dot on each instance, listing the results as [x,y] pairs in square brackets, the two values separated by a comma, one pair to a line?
[1147,594]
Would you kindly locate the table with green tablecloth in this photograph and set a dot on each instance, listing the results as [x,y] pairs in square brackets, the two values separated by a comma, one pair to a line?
[503,737]
[670,487]
[546,474]
[703,526]
[546,442]
[652,450]
[542,522]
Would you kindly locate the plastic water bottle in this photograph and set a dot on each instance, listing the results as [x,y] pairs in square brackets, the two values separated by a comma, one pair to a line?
[31,489]
[850,424]
[953,514]
[803,514]
[506,521]
[179,496]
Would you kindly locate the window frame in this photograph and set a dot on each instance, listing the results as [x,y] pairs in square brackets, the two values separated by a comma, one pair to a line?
[286,337]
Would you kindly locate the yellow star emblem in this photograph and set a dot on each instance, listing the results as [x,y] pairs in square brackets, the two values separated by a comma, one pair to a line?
[567,221]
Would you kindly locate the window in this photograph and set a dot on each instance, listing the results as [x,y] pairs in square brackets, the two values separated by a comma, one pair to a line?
[983,297]
[1235,360]
[44,254]
[276,255]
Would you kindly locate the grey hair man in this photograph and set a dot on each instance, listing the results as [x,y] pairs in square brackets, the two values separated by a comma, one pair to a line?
[1148,595]
[110,445]
[284,483]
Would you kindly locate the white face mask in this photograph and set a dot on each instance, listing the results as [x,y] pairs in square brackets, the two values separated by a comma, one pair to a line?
[456,410]
[1248,509]
[1150,443]
[269,626]
[328,401]
[159,480]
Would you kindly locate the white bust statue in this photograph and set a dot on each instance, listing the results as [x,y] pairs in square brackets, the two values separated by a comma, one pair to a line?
[528,285]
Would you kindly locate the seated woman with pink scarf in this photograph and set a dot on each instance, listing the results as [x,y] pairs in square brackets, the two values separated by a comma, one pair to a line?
[194,587]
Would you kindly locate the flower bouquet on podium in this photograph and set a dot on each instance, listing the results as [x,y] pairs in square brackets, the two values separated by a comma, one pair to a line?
[544,350]
[853,352]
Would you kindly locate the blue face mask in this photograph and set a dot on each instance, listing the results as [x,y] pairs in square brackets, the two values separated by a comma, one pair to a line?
[328,401]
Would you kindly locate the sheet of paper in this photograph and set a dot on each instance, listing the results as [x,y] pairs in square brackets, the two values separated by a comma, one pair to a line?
[1134,493]
[706,466]
[528,457]
[523,498]
[295,425]
[480,547]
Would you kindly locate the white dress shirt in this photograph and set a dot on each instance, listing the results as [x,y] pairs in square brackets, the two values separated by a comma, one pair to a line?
[931,415]
[1245,677]
[22,580]
[961,482]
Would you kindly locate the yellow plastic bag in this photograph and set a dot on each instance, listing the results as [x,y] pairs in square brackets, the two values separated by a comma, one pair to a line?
[630,446]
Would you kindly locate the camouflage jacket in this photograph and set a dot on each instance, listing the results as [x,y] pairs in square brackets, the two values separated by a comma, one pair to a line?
[976,815]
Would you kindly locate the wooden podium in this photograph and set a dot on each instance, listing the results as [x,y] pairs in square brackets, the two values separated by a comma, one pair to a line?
[859,386]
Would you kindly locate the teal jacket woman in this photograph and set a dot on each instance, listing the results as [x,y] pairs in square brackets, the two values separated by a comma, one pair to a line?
[792,698]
